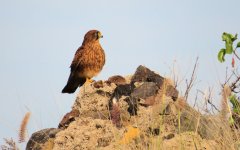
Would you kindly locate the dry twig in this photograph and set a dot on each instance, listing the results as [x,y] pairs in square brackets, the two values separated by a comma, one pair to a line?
[192,80]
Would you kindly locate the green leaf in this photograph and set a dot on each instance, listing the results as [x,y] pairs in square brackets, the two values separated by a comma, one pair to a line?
[221,55]
[238,44]
[234,38]
[225,36]
[228,38]
[229,47]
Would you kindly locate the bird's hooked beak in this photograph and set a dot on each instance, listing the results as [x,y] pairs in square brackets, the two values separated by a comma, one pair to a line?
[100,35]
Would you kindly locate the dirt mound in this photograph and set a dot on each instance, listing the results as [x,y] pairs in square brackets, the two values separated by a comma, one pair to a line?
[142,111]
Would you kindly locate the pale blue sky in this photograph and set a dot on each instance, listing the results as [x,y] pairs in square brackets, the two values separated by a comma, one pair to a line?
[39,38]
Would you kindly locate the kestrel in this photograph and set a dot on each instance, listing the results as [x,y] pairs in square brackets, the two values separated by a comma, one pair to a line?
[88,61]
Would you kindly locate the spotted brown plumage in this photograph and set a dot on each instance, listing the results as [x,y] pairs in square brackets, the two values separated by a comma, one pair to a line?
[88,61]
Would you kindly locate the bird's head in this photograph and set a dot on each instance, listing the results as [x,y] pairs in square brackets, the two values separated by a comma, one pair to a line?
[92,36]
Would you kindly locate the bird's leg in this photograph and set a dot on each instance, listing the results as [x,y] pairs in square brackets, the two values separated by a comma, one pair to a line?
[88,81]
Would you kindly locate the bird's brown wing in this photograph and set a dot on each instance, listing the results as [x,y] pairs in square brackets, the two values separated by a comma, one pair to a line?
[74,79]
[76,62]
[86,59]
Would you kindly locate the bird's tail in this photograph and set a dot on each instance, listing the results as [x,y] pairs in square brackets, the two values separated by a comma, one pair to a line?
[73,83]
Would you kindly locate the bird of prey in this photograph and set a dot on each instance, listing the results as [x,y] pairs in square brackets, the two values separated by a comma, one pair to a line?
[88,61]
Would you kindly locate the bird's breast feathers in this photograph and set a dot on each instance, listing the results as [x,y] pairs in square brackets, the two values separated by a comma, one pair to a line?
[89,61]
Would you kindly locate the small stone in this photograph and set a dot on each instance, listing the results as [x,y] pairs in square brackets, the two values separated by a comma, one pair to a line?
[117,79]
[98,84]
[68,118]
[169,136]
[103,142]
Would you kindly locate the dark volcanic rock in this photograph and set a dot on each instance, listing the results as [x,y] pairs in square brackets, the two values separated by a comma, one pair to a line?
[119,91]
[151,85]
[42,140]
[144,74]
[145,90]
[125,90]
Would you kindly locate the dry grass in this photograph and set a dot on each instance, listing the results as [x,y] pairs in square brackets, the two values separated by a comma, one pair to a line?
[193,130]
[226,92]
[23,128]
[10,144]
[208,131]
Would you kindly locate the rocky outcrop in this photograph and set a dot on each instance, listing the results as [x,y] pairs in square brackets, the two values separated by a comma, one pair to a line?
[131,112]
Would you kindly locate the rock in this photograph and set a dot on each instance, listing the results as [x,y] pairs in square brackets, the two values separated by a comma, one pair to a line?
[172,92]
[169,136]
[86,133]
[94,103]
[117,79]
[42,140]
[144,74]
[133,105]
[68,118]
[145,90]
[98,84]
[115,114]
[149,101]
[121,90]
[146,101]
